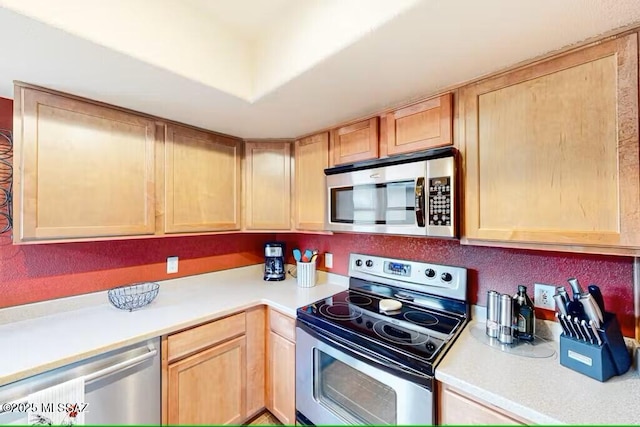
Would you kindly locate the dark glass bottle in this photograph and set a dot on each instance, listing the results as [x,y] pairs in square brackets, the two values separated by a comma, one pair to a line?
[526,315]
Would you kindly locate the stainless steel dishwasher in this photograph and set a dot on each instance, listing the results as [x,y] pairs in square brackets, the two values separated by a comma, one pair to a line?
[121,386]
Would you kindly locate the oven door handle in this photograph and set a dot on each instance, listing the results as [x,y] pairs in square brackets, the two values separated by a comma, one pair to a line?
[356,352]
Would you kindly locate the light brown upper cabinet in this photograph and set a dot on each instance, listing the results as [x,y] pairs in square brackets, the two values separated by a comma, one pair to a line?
[81,170]
[202,181]
[354,142]
[427,124]
[311,158]
[267,186]
[551,151]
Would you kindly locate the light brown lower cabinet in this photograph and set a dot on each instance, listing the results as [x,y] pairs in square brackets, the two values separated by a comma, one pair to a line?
[457,407]
[228,370]
[281,378]
[204,373]
[209,387]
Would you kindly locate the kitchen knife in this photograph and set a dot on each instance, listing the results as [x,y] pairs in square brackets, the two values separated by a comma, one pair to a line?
[575,309]
[562,291]
[595,331]
[576,322]
[572,328]
[576,288]
[597,296]
[587,330]
[562,324]
[591,309]
[561,304]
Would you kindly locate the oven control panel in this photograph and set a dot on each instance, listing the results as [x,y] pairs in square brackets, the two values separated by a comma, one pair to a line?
[437,279]
[396,268]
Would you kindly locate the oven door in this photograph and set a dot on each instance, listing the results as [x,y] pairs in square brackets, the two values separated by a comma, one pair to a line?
[337,385]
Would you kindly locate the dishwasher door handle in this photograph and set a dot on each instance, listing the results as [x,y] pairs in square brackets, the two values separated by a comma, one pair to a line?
[118,367]
[113,369]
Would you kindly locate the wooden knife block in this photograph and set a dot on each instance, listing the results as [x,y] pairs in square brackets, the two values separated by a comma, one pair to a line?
[597,361]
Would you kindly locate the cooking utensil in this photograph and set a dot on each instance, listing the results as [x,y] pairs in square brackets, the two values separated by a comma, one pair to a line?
[308,254]
[297,255]
[587,330]
[561,304]
[563,325]
[581,334]
[575,287]
[562,291]
[595,331]
[575,309]
[591,309]
[597,296]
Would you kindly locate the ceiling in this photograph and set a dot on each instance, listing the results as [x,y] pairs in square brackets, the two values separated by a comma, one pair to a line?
[281,68]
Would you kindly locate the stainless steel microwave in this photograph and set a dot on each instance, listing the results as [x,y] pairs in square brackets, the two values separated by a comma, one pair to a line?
[406,195]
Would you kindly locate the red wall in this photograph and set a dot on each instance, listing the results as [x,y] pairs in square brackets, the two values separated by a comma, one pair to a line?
[38,272]
[489,268]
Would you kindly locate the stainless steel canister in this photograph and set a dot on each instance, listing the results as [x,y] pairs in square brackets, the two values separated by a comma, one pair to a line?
[506,319]
[493,313]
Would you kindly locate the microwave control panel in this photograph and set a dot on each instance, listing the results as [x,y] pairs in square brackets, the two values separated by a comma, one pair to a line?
[440,201]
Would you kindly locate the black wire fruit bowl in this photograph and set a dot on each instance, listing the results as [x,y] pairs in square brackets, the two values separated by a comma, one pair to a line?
[135,296]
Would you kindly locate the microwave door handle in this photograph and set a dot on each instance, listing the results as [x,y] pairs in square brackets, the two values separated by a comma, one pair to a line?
[419,204]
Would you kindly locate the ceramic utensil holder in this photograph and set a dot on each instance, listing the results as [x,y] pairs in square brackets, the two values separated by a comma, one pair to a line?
[597,361]
[306,274]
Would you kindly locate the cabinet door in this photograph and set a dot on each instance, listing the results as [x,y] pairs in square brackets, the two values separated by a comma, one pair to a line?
[209,387]
[256,359]
[455,408]
[268,186]
[552,150]
[355,142]
[311,158]
[421,126]
[282,378]
[81,170]
[202,181]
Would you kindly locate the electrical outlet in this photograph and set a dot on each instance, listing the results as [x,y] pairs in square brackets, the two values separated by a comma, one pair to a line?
[328,260]
[543,296]
[172,264]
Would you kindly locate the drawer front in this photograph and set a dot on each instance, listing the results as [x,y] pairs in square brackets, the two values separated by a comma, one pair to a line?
[200,337]
[282,325]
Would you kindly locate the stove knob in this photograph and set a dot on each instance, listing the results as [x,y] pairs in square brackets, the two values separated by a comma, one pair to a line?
[431,347]
[369,263]
[430,273]
[369,324]
[359,320]
[358,263]
[446,277]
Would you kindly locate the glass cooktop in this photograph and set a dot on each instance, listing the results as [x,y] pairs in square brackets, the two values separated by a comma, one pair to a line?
[411,329]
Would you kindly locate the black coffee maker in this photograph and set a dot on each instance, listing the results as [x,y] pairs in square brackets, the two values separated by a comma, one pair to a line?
[274,261]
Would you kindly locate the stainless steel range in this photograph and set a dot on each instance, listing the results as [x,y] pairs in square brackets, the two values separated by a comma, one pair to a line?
[368,355]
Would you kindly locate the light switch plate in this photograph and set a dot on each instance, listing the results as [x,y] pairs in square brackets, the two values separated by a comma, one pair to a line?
[328,260]
[543,296]
[172,264]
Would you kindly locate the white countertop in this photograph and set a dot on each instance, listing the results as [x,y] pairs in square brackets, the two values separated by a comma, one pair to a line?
[539,390]
[39,337]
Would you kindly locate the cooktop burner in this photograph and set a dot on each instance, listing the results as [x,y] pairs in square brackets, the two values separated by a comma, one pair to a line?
[359,299]
[398,335]
[420,318]
[340,311]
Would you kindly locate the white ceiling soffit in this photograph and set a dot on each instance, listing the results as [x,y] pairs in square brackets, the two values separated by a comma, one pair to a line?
[305,65]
